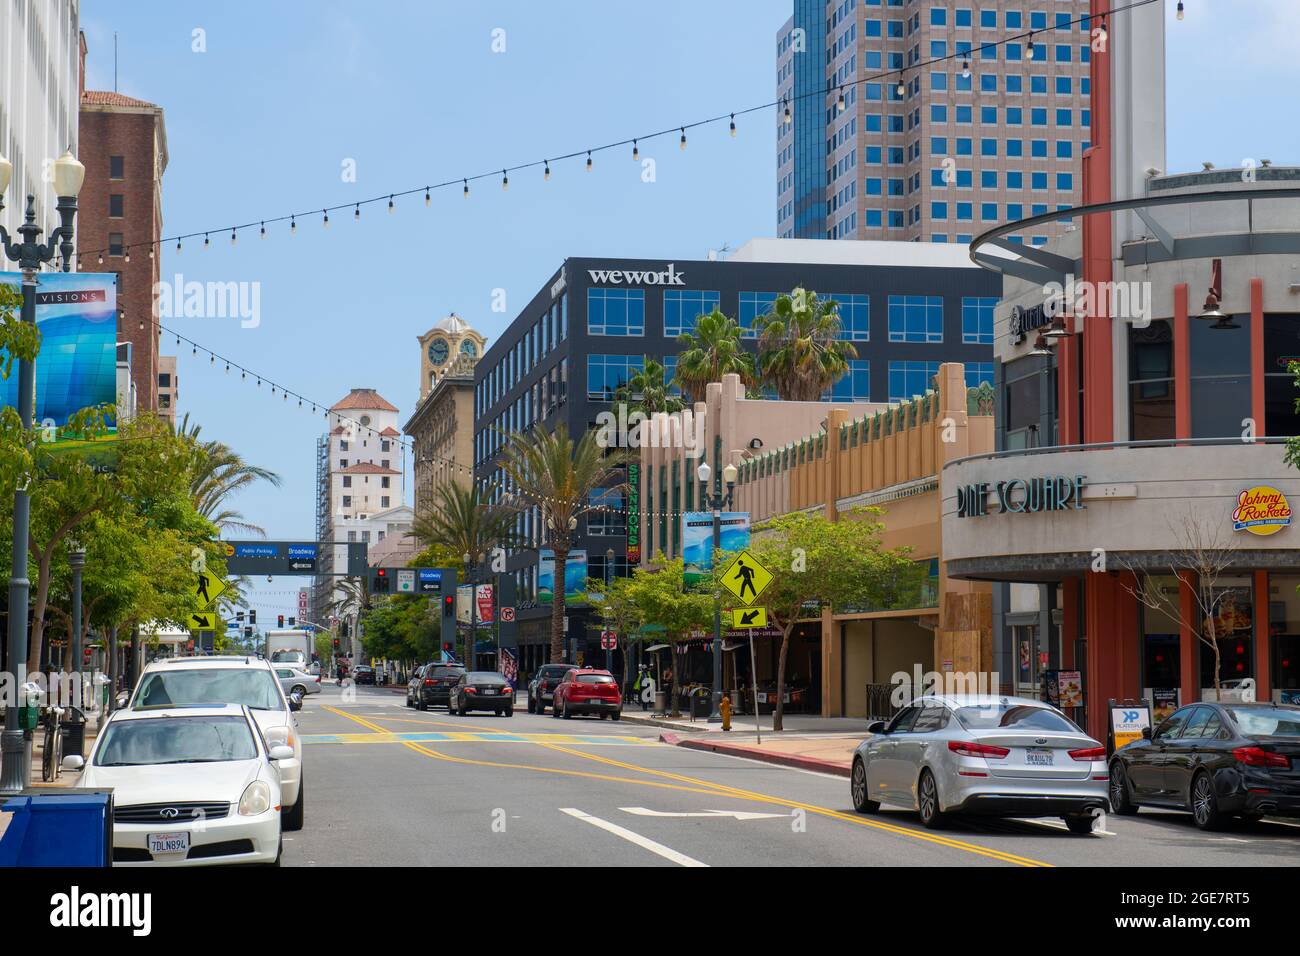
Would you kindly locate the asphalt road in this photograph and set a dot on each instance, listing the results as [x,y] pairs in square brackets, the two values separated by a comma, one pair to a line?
[392,786]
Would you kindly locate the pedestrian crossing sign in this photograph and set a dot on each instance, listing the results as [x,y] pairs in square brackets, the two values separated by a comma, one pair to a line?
[746,578]
[207,588]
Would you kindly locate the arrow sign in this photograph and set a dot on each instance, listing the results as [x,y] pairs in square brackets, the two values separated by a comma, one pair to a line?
[207,588]
[735,814]
[205,621]
[742,617]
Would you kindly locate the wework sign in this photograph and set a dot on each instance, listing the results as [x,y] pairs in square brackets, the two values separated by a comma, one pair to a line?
[669,276]
[1021,496]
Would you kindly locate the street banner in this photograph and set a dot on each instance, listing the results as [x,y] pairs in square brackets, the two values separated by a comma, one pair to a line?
[575,574]
[508,665]
[484,604]
[697,540]
[76,314]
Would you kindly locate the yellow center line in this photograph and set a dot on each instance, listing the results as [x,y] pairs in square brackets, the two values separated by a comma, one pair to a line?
[693,785]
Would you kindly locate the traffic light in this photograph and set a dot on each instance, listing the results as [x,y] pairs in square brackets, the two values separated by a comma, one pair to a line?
[379,583]
[291,621]
[336,643]
[448,605]
[239,615]
[248,631]
[252,616]
[280,621]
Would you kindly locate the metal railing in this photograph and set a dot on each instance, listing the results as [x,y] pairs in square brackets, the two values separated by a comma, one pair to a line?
[880,701]
[1099,446]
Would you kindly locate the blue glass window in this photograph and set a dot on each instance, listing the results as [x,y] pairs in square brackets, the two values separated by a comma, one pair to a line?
[962,18]
[1015,147]
[916,318]
[1065,181]
[855,316]
[977,373]
[988,179]
[683,306]
[977,319]
[938,17]
[1015,179]
[616,311]
[988,82]
[605,373]
[854,386]
[938,210]
[1064,117]
[938,113]
[989,19]
[1038,180]
[1038,148]
[1063,85]
[964,179]
[938,81]
[988,147]
[989,211]
[910,378]
[1064,149]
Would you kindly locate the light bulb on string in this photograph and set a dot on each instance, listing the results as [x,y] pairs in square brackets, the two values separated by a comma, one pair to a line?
[232,236]
[465,191]
[840,105]
[1180,9]
[505,181]
[427,198]
[683,139]
[325,218]
[293,225]
[101,258]
[205,241]
[178,245]
[356,213]
[263,230]
[733,125]
[635,152]
[788,118]
[901,89]
[588,160]
[391,207]
[965,68]
[151,250]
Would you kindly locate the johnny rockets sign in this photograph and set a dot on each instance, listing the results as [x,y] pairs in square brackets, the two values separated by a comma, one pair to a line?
[1261,510]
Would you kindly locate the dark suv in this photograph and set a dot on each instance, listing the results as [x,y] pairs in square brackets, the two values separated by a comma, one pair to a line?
[541,689]
[435,685]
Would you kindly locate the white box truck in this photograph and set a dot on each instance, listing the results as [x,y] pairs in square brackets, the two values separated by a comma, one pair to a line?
[290,647]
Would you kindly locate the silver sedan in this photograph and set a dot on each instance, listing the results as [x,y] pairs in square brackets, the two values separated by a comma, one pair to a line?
[295,680]
[981,754]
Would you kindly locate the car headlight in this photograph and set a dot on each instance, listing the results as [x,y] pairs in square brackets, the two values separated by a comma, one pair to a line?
[256,799]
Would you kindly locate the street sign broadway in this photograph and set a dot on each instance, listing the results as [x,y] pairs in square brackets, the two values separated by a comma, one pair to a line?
[746,578]
[744,617]
[207,588]
[290,557]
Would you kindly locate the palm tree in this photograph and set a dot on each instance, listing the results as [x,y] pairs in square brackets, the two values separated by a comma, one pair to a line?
[217,473]
[711,350]
[647,392]
[349,597]
[799,350]
[558,475]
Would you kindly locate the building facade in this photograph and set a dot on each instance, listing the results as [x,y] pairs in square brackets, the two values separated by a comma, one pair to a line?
[119,219]
[441,428]
[39,96]
[876,141]
[169,387]
[595,321]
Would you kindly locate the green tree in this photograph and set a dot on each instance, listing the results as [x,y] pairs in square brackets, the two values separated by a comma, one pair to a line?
[619,611]
[557,475]
[647,392]
[815,562]
[660,596]
[800,353]
[709,351]
[402,627]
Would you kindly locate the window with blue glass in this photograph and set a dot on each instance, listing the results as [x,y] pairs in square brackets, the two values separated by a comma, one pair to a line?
[616,311]
[989,19]
[1038,148]
[873,185]
[1015,148]
[939,145]
[607,515]
[1064,117]
[989,115]
[1013,54]
[938,210]
[605,373]
[916,318]
[977,373]
[938,48]
[977,319]
[988,179]
[938,113]
[936,178]
[895,219]
[907,379]
[683,306]
[1063,52]
[1015,179]
[1063,85]
[964,213]
[873,218]
[988,51]
[963,114]
[989,211]
[1064,149]
[754,304]
[1038,84]
[938,17]
[669,363]
[964,179]
[855,316]
[1038,180]
[964,82]
[1015,211]
[871,28]
[988,147]
[938,81]
[1038,21]
[988,82]
[1065,181]
[962,18]
[853,386]
[1015,116]
[1038,117]
[1015,83]
[1063,21]
[1014,20]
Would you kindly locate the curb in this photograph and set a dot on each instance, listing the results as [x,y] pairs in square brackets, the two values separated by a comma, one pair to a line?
[656,722]
[755,753]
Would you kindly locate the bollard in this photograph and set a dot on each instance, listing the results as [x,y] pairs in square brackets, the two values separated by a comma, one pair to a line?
[724,708]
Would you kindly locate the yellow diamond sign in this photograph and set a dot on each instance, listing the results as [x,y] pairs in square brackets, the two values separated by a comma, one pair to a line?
[746,578]
[742,617]
[207,588]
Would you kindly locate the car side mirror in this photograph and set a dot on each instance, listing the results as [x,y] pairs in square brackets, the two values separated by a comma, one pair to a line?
[73,762]
[281,752]
[1146,733]
[295,701]
[876,727]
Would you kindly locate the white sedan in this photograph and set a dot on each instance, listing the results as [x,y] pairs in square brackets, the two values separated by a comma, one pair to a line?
[192,786]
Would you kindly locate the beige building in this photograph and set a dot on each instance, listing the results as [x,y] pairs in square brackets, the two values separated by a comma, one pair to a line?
[442,426]
[168,387]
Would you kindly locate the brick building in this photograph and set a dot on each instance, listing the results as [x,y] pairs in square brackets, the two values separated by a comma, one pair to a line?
[123,144]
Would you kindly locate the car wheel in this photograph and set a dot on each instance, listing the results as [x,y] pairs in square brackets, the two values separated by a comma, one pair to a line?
[567,715]
[1080,824]
[858,789]
[1120,801]
[927,801]
[408,701]
[617,715]
[1205,804]
[532,705]
[555,710]
[604,716]
[299,690]
[292,819]
[463,710]
[508,712]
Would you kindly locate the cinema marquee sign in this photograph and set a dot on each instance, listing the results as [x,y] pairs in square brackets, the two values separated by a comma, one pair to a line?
[1022,496]
[634,513]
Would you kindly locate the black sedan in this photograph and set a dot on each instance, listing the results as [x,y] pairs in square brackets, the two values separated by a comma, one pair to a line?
[482,690]
[365,674]
[541,690]
[435,685]
[1216,760]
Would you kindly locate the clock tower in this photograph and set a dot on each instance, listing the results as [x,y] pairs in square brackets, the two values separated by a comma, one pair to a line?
[450,347]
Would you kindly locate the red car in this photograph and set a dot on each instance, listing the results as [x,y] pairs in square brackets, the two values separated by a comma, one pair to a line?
[588,690]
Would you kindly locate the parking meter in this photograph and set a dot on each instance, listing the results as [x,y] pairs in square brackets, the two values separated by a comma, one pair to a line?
[30,708]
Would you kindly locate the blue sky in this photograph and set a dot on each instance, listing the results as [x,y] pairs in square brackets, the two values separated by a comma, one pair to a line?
[262,123]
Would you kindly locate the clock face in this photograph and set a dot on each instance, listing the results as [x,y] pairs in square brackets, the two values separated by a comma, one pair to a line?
[438,352]
[467,347]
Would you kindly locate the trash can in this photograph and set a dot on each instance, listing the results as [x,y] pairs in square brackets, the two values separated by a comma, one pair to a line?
[661,701]
[701,704]
[73,728]
[70,828]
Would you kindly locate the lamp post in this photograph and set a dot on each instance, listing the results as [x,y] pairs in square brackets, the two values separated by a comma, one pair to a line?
[715,501]
[30,254]
[77,562]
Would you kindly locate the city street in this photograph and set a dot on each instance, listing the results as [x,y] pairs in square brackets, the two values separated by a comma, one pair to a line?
[388,785]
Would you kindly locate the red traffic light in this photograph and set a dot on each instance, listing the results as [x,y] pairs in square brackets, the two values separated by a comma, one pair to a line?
[448,604]
[382,572]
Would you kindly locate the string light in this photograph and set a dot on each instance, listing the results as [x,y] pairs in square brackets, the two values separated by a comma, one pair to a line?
[205,240]
[1180,9]
[178,245]
[965,68]
[325,220]
[151,250]
[840,105]
[232,235]
[293,225]
[683,140]
[901,90]
[1102,33]
[588,160]
[427,198]
[546,171]
[127,252]
[356,213]
[505,181]
[465,193]
[635,151]
[391,207]
[788,118]
[101,258]
[733,125]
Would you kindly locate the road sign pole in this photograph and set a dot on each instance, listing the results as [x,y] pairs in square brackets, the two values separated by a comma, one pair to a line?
[753,666]
[715,712]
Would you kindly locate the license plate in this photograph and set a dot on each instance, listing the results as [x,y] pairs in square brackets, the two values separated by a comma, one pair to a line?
[1039,758]
[488,690]
[163,843]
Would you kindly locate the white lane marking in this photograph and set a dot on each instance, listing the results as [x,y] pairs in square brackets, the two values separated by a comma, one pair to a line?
[645,843]
[1057,825]
[737,814]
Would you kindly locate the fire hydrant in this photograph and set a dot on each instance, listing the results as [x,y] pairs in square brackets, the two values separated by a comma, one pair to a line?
[724,708]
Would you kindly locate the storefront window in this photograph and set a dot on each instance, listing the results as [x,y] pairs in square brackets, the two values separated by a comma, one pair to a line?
[1161,649]
[1281,348]
[1284,634]
[1023,403]
[1151,386]
[1220,385]
[1234,623]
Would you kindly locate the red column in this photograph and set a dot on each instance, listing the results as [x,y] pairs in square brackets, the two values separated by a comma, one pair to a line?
[1098,359]
[1257,369]
[1189,653]
[1069,622]
[1182,365]
[1263,641]
[1111,621]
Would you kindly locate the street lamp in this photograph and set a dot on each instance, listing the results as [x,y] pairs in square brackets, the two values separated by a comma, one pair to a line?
[716,501]
[30,254]
[77,562]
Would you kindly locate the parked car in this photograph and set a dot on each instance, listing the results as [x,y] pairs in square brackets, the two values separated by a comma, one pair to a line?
[295,680]
[436,684]
[192,786]
[364,674]
[481,690]
[1215,760]
[981,754]
[541,689]
[588,690]
[413,684]
[249,681]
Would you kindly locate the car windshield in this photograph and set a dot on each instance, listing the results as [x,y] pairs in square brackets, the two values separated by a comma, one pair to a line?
[157,740]
[251,686]
[1014,717]
[595,679]
[447,671]
[486,677]
[1266,721]
[280,657]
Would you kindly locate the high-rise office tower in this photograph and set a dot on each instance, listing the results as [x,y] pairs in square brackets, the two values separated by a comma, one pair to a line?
[924,120]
